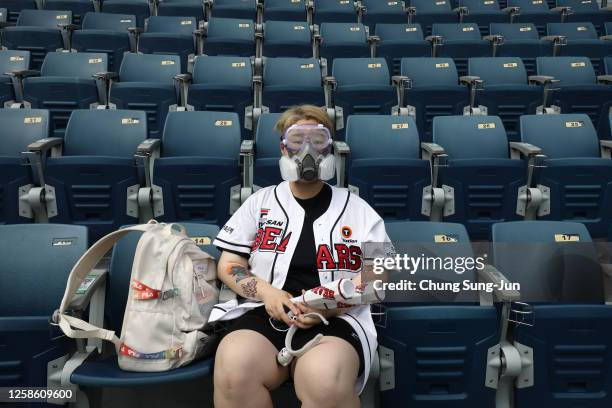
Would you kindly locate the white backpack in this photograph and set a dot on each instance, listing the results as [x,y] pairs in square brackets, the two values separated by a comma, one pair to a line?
[172,291]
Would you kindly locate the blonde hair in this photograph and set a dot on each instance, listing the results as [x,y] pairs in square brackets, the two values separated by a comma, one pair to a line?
[304,112]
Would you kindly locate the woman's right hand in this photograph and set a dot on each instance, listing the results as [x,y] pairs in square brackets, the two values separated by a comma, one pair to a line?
[275,301]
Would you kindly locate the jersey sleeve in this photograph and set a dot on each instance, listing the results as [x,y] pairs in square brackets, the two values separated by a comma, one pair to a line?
[240,231]
[377,243]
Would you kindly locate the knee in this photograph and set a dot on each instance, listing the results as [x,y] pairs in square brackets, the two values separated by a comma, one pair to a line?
[322,385]
[234,372]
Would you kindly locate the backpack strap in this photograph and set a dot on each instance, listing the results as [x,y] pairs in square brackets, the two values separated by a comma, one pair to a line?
[77,328]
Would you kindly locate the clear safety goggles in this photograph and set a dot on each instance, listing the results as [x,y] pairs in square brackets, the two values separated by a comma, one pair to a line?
[318,136]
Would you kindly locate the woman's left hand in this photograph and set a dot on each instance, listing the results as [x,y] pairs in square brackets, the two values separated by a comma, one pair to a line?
[306,322]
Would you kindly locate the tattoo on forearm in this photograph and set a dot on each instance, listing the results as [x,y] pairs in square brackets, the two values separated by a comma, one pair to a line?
[239,272]
[250,288]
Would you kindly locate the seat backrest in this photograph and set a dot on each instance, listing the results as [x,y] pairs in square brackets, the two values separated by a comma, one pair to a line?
[426,231]
[11,60]
[222,70]
[430,71]
[44,18]
[405,32]
[108,21]
[457,32]
[149,68]
[343,33]
[335,6]
[530,6]
[515,31]
[573,31]
[471,137]
[579,5]
[267,138]
[80,65]
[382,137]
[21,127]
[568,70]
[499,70]
[287,71]
[608,27]
[428,6]
[286,31]
[230,28]
[551,260]
[201,133]
[171,25]
[56,247]
[357,71]
[104,132]
[480,5]
[122,259]
[386,6]
[561,136]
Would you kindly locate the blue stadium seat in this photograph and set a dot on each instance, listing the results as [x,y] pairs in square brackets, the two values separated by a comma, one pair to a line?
[580,181]
[579,91]
[343,40]
[105,32]
[147,83]
[483,13]
[104,371]
[3,15]
[435,90]
[460,42]
[96,169]
[484,178]
[28,342]
[222,84]
[37,31]
[140,8]
[439,348]
[11,61]
[181,8]
[608,28]
[385,165]
[199,165]
[536,12]
[608,65]
[427,12]
[571,329]
[363,86]
[78,8]
[246,9]
[291,81]
[287,39]
[229,36]
[20,127]
[521,40]
[14,7]
[582,40]
[334,11]
[587,10]
[267,151]
[65,83]
[283,10]
[506,92]
[169,35]
[399,41]
[388,11]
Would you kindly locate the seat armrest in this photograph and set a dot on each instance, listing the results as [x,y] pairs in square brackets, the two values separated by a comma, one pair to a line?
[183,77]
[45,144]
[606,148]
[341,147]
[462,11]
[374,39]
[433,149]
[148,147]
[494,38]
[106,76]
[23,74]
[330,81]
[401,80]
[247,147]
[604,79]
[511,10]
[562,9]
[435,39]
[135,30]
[69,27]
[490,274]
[606,37]
[541,79]
[470,80]
[526,149]
[94,280]
[557,39]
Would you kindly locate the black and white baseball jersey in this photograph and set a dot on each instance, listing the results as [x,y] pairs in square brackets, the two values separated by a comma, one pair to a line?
[267,228]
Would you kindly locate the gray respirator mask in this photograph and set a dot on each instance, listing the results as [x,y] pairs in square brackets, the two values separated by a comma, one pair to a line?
[310,157]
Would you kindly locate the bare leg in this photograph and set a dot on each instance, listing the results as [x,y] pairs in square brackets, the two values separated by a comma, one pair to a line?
[246,371]
[325,376]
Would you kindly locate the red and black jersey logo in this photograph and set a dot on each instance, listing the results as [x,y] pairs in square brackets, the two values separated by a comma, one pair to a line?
[270,239]
[346,232]
[349,257]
